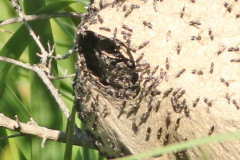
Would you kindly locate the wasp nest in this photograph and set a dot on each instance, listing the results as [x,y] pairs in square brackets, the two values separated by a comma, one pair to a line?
[157,72]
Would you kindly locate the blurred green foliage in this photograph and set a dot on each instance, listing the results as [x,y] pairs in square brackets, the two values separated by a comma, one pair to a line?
[21,91]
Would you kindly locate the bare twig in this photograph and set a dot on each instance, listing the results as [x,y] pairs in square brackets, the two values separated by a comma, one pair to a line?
[43,142]
[45,79]
[45,133]
[18,126]
[4,30]
[44,53]
[41,16]
[70,52]
[63,77]
[12,136]
[50,53]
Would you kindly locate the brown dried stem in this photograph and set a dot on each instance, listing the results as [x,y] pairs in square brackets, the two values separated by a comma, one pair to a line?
[32,128]
[41,16]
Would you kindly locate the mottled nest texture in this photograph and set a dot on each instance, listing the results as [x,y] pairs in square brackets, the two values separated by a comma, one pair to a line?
[156,72]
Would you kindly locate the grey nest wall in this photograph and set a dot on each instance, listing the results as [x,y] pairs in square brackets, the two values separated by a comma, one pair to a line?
[153,73]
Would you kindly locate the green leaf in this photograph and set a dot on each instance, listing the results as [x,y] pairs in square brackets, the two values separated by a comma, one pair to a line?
[70,133]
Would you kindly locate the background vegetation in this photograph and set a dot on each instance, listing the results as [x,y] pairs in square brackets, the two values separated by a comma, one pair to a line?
[21,91]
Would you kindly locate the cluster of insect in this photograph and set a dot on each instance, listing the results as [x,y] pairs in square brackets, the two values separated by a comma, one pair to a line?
[115,72]
[96,111]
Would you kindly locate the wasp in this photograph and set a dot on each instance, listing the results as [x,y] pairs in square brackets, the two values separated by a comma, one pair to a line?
[127,13]
[180,72]
[166,139]
[228,98]
[134,6]
[196,38]
[124,8]
[195,23]
[155,6]
[182,12]
[127,28]
[196,101]
[179,95]
[167,92]
[236,104]
[148,133]
[224,81]
[207,102]
[167,64]
[100,19]
[122,108]
[139,58]
[177,124]
[158,105]
[115,33]
[168,35]
[104,113]
[221,50]
[235,60]
[175,92]
[228,7]
[155,70]
[168,121]
[233,49]
[211,68]
[144,118]
[126,33]
[197,72]
[186,111]
[159,133]
[210,34]
[178,48]
[211,130]
[144,44]
[147,24]
[105,29]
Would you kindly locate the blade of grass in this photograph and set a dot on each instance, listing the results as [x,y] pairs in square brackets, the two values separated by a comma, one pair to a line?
[185,145]
[70,132]
[67,28]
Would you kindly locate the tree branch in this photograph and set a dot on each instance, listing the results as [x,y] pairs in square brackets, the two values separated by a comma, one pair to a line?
[41,16]
[45,79]
[70,52]
[44,54]
[63,77]
[4,30]
[31,128]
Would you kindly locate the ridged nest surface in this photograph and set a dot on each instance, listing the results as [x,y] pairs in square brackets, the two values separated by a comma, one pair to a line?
[153,73]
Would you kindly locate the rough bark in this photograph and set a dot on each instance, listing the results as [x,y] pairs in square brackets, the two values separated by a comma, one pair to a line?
[185,86]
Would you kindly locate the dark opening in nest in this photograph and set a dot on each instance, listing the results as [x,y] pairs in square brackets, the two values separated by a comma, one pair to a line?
[104,58]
